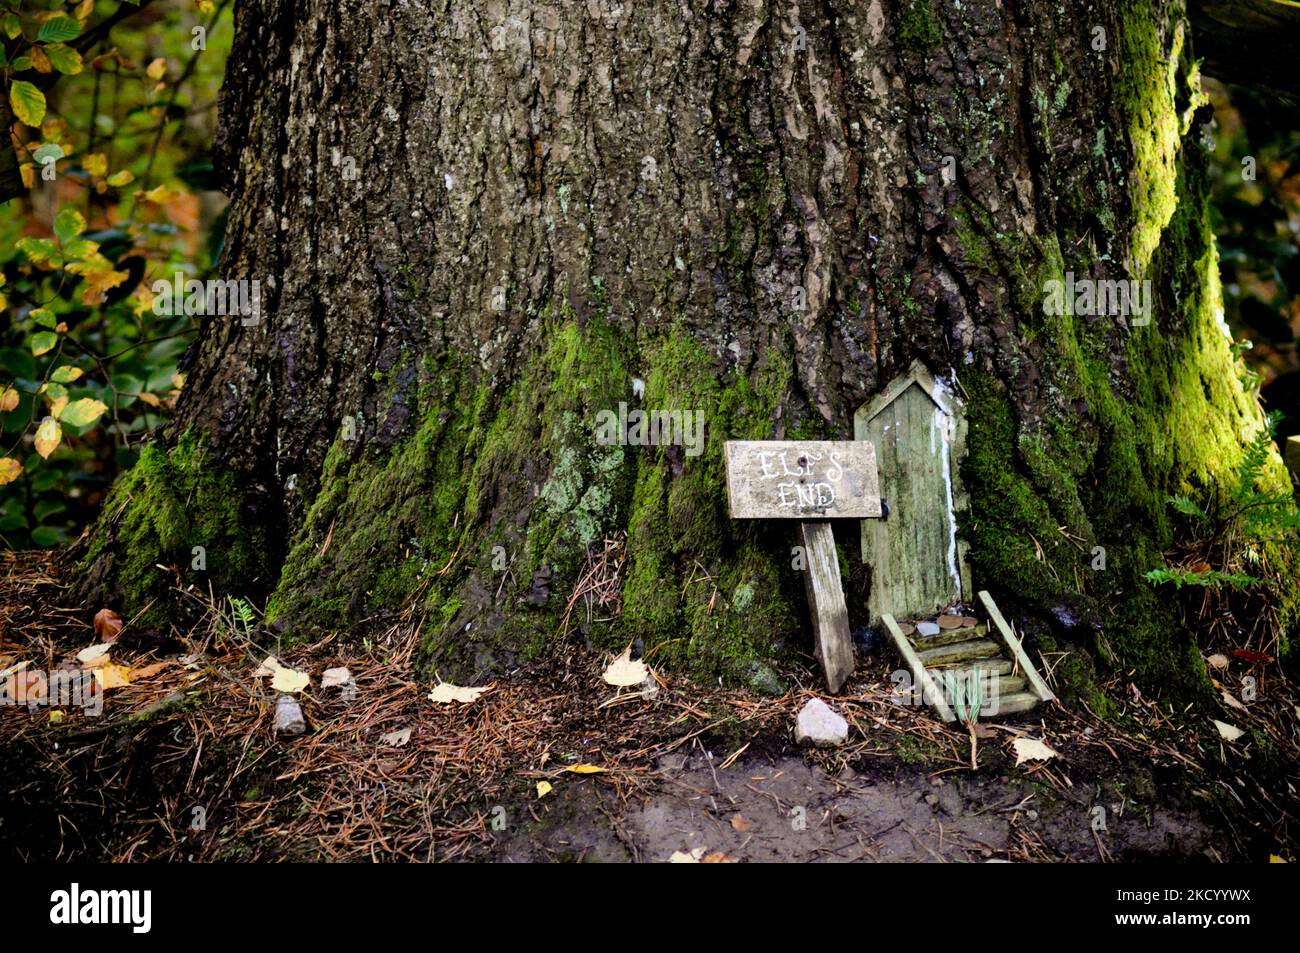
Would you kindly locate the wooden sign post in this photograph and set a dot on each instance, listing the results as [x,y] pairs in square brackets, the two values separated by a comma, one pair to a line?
[813,481]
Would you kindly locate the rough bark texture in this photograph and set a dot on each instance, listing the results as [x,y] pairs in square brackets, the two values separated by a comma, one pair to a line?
[555,199]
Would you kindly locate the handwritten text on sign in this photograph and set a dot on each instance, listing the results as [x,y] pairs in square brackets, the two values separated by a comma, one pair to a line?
[802,479]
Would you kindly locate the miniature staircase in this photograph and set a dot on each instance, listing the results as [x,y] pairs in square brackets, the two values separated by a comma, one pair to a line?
[1019,686]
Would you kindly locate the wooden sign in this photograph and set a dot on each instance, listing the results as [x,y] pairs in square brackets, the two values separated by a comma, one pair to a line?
[802,479]
[813,481]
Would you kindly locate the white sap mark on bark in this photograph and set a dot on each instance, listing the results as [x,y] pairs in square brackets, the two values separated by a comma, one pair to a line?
[390,113]
[446,180]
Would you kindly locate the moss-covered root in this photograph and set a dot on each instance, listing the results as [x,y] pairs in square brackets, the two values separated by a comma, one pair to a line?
[176,516]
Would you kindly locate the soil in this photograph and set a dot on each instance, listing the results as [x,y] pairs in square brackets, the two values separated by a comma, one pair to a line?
[553,764]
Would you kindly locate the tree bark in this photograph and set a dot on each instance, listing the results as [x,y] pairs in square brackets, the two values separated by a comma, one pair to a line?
[759,211]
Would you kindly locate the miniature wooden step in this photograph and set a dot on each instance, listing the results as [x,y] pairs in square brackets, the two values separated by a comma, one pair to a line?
[961,652]
[948,637]
[1011,684]
[935,659]
[998,666]
[1012,704]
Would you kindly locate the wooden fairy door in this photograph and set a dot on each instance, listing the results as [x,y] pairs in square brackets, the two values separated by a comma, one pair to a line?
[916,559]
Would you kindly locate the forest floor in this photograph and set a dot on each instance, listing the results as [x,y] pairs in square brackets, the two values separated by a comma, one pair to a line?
[553,764]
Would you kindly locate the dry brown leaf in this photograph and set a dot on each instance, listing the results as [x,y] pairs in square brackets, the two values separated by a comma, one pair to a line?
[396,738]
[147,671]
[739,823]
[107,625]
[333,677]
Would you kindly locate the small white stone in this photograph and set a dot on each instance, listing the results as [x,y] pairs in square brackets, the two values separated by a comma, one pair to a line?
[819,724]
[927,628]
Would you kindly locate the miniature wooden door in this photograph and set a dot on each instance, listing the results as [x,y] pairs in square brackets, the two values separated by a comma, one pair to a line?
[917,562]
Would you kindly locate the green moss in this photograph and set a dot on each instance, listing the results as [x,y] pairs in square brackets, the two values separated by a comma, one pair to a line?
[169,503]
[919,30]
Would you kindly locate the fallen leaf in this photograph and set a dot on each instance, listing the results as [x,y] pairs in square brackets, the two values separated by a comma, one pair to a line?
[1228,732]
[446,693]
[1231,702]
[396,738]
[16,667]
[1031,749]
[86,656]
[624,673]
[1218,660]
[107,625]
[739,823]
[1250,656]
[21,687]
[681,857]
[147,671]
[543,788]
[717,857]
[57,716]
[289,681]
[333,677]
[270,665]
[586,769]
[112,675]
[1275,859]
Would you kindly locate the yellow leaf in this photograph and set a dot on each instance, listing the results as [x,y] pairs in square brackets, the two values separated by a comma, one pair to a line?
[543,788]
[446,693]
[150,399]
[27,102]
[96,164]
[9,470]
[57,405]
[289,681]
[8,399]
[586,769]
[48,435]
[40,62]
[1275,859]
[119,179]
[112,675]
[85,8]
[57,716]
[28,172]
[157,69]
[623,672]
[159,196]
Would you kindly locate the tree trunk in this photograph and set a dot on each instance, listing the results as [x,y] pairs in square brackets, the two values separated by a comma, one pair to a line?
[760,212]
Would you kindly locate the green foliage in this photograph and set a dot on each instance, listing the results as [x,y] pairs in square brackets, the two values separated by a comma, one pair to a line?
[1254,512]
[106,145]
